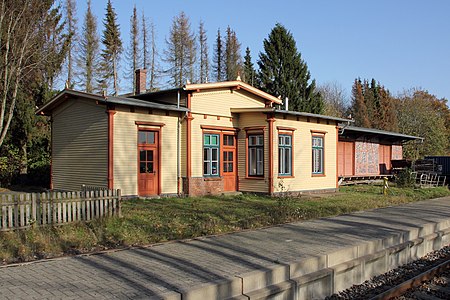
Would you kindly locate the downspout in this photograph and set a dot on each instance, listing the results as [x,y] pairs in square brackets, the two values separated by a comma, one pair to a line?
[178,145]
[51,152]
[188,144]
[270,120]
[111,112]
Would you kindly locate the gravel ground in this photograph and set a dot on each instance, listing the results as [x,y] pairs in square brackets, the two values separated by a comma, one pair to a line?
[381,283]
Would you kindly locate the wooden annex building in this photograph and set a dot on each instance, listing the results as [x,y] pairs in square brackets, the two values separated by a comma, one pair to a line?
[365,152]
[200,139]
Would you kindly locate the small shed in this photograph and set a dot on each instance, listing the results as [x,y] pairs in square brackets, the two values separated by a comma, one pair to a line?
[366,152]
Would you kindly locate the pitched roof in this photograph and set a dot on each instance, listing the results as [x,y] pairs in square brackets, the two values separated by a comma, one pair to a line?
[232,84]
[49,106]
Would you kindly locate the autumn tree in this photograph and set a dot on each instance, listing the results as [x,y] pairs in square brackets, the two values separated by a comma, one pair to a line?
[180,53]
[418,116]
[112,48]
[89,51]
[249,72]
[71,21]
[204,58]
[233,57]
[283,73]
[373,106]
[219,59]
[359,108]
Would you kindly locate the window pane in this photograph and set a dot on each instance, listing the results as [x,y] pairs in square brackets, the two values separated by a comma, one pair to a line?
[260,140]
[142,137]
[214,168]
[214,140]
[287,140]
[225,167]
[215,152]
[252,161]
[149,167]
[142,155]
[206,168]
[150,137]
[252,140]
[287,161]
[230,167]
[230,156]
[142,167]
[207,139]
[259,159]
[150,155]
[206,154]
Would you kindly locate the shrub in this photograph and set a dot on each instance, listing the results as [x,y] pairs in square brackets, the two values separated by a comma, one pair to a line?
[406,178]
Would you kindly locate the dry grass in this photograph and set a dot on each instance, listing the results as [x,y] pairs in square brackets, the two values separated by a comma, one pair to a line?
[157,220]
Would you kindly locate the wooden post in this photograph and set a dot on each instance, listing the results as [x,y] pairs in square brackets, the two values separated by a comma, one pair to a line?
[119,200]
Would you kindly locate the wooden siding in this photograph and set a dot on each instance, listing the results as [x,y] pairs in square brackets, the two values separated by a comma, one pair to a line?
[79,145]
[125,150]
[302,179]
[346,158]
[252,185]
[219,102]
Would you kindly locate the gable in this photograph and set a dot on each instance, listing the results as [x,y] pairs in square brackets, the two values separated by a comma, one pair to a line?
[220,101]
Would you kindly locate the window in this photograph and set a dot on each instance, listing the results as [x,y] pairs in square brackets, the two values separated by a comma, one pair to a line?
[256,155]
[146,137]
[317,154]
[211,155]
[284,155]
[228,140]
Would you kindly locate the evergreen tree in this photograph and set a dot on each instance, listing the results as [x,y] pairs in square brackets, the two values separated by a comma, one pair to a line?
[71,21]
[133,49]
[89,51]
[112,48]
[219,59]
[249,70]
[232,55]
[204,60]
[282,72]
[180,53]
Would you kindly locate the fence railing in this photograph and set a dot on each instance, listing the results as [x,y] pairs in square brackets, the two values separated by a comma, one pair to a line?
[56,208]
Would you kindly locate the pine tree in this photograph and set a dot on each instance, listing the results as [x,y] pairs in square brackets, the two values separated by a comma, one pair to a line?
[154,66]
[232,55]
[112,48]
[180,53]
[204,60]
[133,49]
[70,8]
[282,72]
[249,70]
[88,57]
[219,59]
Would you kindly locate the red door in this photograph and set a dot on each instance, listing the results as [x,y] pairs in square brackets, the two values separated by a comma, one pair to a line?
[384,158]
[148,162]
[229,171]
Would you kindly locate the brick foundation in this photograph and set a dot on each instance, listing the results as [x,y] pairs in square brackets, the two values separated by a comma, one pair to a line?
[199,186]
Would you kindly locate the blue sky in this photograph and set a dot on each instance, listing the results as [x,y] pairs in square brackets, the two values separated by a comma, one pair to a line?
[403,44]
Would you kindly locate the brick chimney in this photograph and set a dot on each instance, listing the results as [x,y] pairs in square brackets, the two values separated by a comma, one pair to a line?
[141,78]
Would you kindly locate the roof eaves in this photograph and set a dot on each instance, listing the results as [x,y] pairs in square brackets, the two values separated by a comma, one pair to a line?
[305,114]
[382,132]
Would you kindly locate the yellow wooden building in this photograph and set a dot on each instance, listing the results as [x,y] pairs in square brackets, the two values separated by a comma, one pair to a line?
[209,138]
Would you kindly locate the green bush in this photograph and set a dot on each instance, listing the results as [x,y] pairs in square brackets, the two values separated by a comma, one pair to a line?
[406,178]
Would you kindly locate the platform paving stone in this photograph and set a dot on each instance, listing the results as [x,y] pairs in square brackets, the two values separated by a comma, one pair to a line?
[174,267]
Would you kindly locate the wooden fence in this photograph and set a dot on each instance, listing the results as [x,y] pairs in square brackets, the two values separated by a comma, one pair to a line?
[56,208]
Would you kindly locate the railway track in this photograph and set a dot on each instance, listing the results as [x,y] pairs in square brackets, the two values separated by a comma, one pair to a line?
[432,284]
[427,278]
